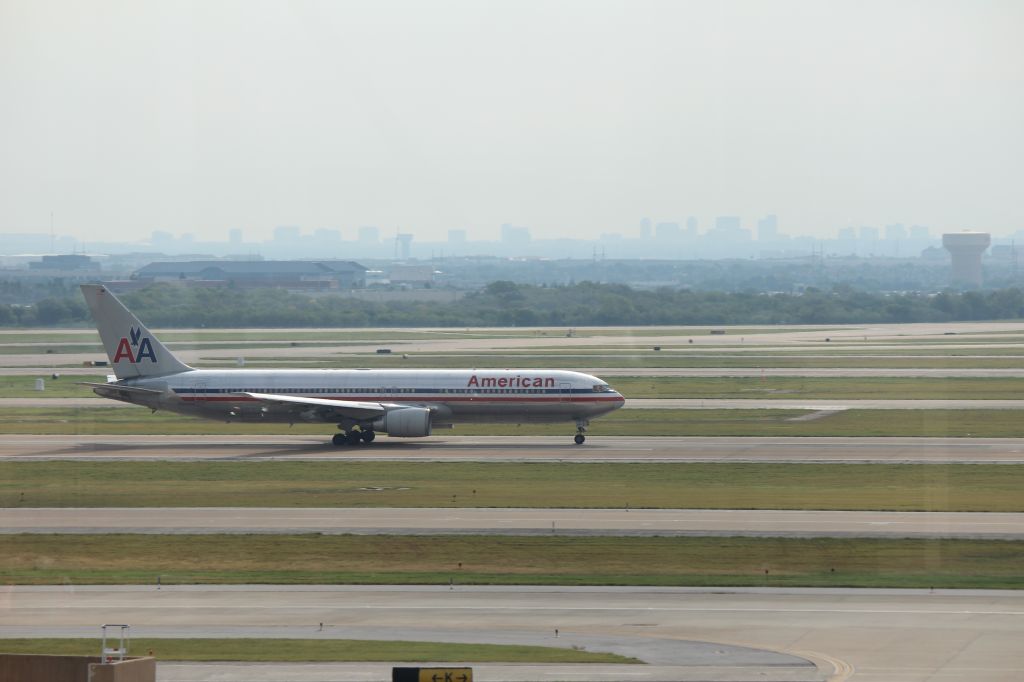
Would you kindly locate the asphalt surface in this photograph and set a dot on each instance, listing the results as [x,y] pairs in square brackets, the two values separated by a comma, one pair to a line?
[491,521]
[891,635]
[450,448]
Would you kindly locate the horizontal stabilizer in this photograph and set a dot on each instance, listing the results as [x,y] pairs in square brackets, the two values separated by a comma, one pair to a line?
[119,387]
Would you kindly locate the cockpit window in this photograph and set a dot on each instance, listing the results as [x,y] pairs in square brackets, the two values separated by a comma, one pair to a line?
[602,388]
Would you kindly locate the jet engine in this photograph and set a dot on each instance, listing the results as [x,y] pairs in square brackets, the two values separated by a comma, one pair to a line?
[405,422]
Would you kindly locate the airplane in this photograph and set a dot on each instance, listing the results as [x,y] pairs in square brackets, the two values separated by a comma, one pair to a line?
[362,402]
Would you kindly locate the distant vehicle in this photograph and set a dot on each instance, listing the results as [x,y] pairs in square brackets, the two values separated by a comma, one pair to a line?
[362,402]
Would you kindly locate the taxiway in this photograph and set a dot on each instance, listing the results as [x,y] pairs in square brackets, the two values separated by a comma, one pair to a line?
[892,635]
[494,521]
[452,448]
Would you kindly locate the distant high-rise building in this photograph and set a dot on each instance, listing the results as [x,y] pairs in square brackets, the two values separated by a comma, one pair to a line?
[369,235]
[728,229]
[403,245]
[768,228]
[691,226]
[868,234]
[667,231]
[919,232]
[287,233]
[847,234]
[645,228]
[867,241]
[456,236]
[235,236]
[510,234]
[895,232]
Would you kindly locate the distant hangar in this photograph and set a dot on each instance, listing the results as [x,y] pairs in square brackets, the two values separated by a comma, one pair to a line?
[323,275]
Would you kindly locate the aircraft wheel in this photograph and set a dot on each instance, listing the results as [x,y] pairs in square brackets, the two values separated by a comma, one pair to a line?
[339,439]
[368,436]
[353,438]
[579,438]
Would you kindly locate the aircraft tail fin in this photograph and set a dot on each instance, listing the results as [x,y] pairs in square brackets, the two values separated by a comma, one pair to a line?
[132,349]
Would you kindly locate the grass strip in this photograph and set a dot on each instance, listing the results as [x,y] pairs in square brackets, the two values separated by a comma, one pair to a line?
[21,386]
[87,333]
[506,560]
[823,388]
[315,650]
[628,359]
[979,423]
[897,487]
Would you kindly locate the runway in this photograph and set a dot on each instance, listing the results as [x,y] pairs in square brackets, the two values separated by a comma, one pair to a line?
[451,448]
[891,635]
[491,521]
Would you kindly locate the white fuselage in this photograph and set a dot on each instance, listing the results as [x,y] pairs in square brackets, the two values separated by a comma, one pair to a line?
[485,395]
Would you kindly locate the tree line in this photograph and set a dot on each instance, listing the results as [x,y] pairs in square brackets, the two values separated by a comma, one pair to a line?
[505,303]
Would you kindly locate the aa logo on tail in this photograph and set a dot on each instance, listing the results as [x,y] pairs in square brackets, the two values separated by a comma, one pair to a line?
[135,350]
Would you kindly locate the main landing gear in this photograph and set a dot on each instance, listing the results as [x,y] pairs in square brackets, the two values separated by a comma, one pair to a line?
[353,437]
[581,426]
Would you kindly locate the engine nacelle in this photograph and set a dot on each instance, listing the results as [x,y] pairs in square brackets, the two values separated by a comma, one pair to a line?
[405,422]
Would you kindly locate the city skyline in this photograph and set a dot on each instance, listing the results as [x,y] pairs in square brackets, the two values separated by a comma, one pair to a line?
[572,118]
[725,237]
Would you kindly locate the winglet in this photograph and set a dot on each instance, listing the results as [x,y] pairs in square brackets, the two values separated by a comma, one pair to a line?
[132,349]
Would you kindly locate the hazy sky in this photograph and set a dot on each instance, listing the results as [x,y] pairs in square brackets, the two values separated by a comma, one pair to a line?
[571,118]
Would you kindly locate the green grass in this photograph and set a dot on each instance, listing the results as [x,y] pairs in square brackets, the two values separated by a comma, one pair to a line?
[764,351]
[832,388]
[375,559]
[396,334]
[50,349]
[18,386]
[979,423]
[625,359]
[904,487]
[315,650]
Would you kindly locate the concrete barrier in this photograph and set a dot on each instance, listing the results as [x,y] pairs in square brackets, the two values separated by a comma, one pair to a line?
[44,668]
[128,670]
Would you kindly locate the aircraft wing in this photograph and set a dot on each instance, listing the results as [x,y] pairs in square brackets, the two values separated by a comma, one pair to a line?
[350,408]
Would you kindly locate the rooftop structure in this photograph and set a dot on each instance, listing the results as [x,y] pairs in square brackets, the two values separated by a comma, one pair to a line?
[67,261]
[293,274]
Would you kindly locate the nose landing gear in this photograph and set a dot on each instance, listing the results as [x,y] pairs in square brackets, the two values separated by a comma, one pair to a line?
[581,426]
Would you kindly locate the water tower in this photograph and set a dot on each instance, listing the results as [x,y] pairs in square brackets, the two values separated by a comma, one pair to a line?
[966,249]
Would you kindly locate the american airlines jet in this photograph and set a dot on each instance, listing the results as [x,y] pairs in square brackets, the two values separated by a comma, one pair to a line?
[362,402]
